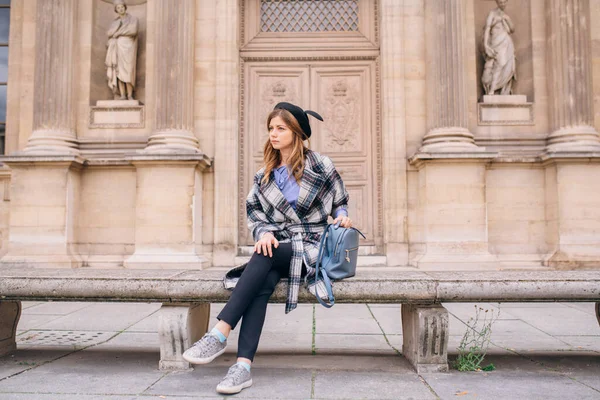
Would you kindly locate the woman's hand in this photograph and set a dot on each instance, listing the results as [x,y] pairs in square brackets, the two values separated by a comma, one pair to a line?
[345,222]
[265,244]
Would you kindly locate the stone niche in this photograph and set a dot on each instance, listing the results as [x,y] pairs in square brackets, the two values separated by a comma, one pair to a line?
[104,111]
[515,109]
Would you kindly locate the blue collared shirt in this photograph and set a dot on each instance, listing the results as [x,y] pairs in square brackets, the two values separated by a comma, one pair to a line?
[290,188]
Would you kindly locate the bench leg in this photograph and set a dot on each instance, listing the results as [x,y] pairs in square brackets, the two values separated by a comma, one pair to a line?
[598,312]
[425,337]
[10,312]
[179,326]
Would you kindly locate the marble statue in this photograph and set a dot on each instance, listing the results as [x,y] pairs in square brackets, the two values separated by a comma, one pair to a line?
[500,69]
[121,53]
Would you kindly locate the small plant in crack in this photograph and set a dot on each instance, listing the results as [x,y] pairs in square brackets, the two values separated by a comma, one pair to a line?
[476,341]
[27,363]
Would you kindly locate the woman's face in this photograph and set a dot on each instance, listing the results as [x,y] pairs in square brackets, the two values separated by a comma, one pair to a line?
[120,8]
[280,134]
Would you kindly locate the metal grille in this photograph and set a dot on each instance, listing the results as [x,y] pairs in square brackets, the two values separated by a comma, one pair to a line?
[308,15]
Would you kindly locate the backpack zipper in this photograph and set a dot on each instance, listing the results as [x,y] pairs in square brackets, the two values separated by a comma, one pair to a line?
[348,253]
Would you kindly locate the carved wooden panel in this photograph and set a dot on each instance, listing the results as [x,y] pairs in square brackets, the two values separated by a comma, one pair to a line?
[344,94]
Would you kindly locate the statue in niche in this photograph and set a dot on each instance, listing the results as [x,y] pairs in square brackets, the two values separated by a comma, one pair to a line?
[500,69]
[121,53]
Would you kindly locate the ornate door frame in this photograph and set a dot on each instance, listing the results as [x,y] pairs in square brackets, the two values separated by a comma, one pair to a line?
[337,52]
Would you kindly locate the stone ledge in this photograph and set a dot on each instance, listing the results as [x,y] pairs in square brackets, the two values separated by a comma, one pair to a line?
[42,159]
[202,159]
[580,156]
[420,158]
[382,285]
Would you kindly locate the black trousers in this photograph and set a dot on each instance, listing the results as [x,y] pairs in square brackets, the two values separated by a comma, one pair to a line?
[251,294]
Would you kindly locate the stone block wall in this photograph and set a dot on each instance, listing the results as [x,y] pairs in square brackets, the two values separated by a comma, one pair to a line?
[516,216]
[106,223]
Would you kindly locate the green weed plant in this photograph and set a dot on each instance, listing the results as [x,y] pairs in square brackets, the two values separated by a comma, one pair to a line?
[476,341]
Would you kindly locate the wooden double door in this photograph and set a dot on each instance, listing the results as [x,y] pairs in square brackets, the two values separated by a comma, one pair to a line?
[344,94]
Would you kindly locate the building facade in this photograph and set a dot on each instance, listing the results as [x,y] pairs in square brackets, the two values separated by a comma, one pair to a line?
[466,131]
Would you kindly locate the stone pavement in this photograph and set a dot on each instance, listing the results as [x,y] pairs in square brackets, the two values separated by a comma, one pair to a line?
[93,351]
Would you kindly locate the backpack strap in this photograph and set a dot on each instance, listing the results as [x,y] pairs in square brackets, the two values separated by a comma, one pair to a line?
[320,272]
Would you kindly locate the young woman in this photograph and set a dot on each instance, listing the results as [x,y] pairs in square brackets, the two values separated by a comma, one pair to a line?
[287,209]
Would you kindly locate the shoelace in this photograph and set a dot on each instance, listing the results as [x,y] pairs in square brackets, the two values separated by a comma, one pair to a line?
[207,335]
[235,373]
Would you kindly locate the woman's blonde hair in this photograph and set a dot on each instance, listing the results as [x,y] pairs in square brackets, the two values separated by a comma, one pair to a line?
[272,157]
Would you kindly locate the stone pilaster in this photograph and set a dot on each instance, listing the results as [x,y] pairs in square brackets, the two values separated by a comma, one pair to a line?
[393,124]
[226,174]
[174,74]
[571,109]
[572,156]
[54,104]
[45,181]
[446,77]
[452,168]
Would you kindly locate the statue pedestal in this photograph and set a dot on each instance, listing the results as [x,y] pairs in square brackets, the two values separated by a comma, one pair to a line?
[505,110]
[117,114]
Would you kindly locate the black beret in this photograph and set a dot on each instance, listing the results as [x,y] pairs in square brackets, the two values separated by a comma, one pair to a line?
[300,115]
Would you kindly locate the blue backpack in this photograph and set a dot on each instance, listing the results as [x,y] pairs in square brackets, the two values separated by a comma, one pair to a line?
[338,254]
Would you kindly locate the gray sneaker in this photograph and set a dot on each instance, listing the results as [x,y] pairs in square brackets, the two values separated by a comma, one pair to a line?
[237,378]
[205,350]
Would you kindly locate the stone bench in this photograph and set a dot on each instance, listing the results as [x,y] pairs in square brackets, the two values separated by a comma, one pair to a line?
[186,296]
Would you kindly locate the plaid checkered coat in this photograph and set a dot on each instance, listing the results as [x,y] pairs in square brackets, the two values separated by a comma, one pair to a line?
[322,193]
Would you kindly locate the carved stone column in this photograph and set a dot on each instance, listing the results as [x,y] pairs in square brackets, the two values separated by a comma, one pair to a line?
[452,213]
[446,77]
[170,169]
[46,176]
[572,156]
[54,105]
[570,88]
[174,74]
